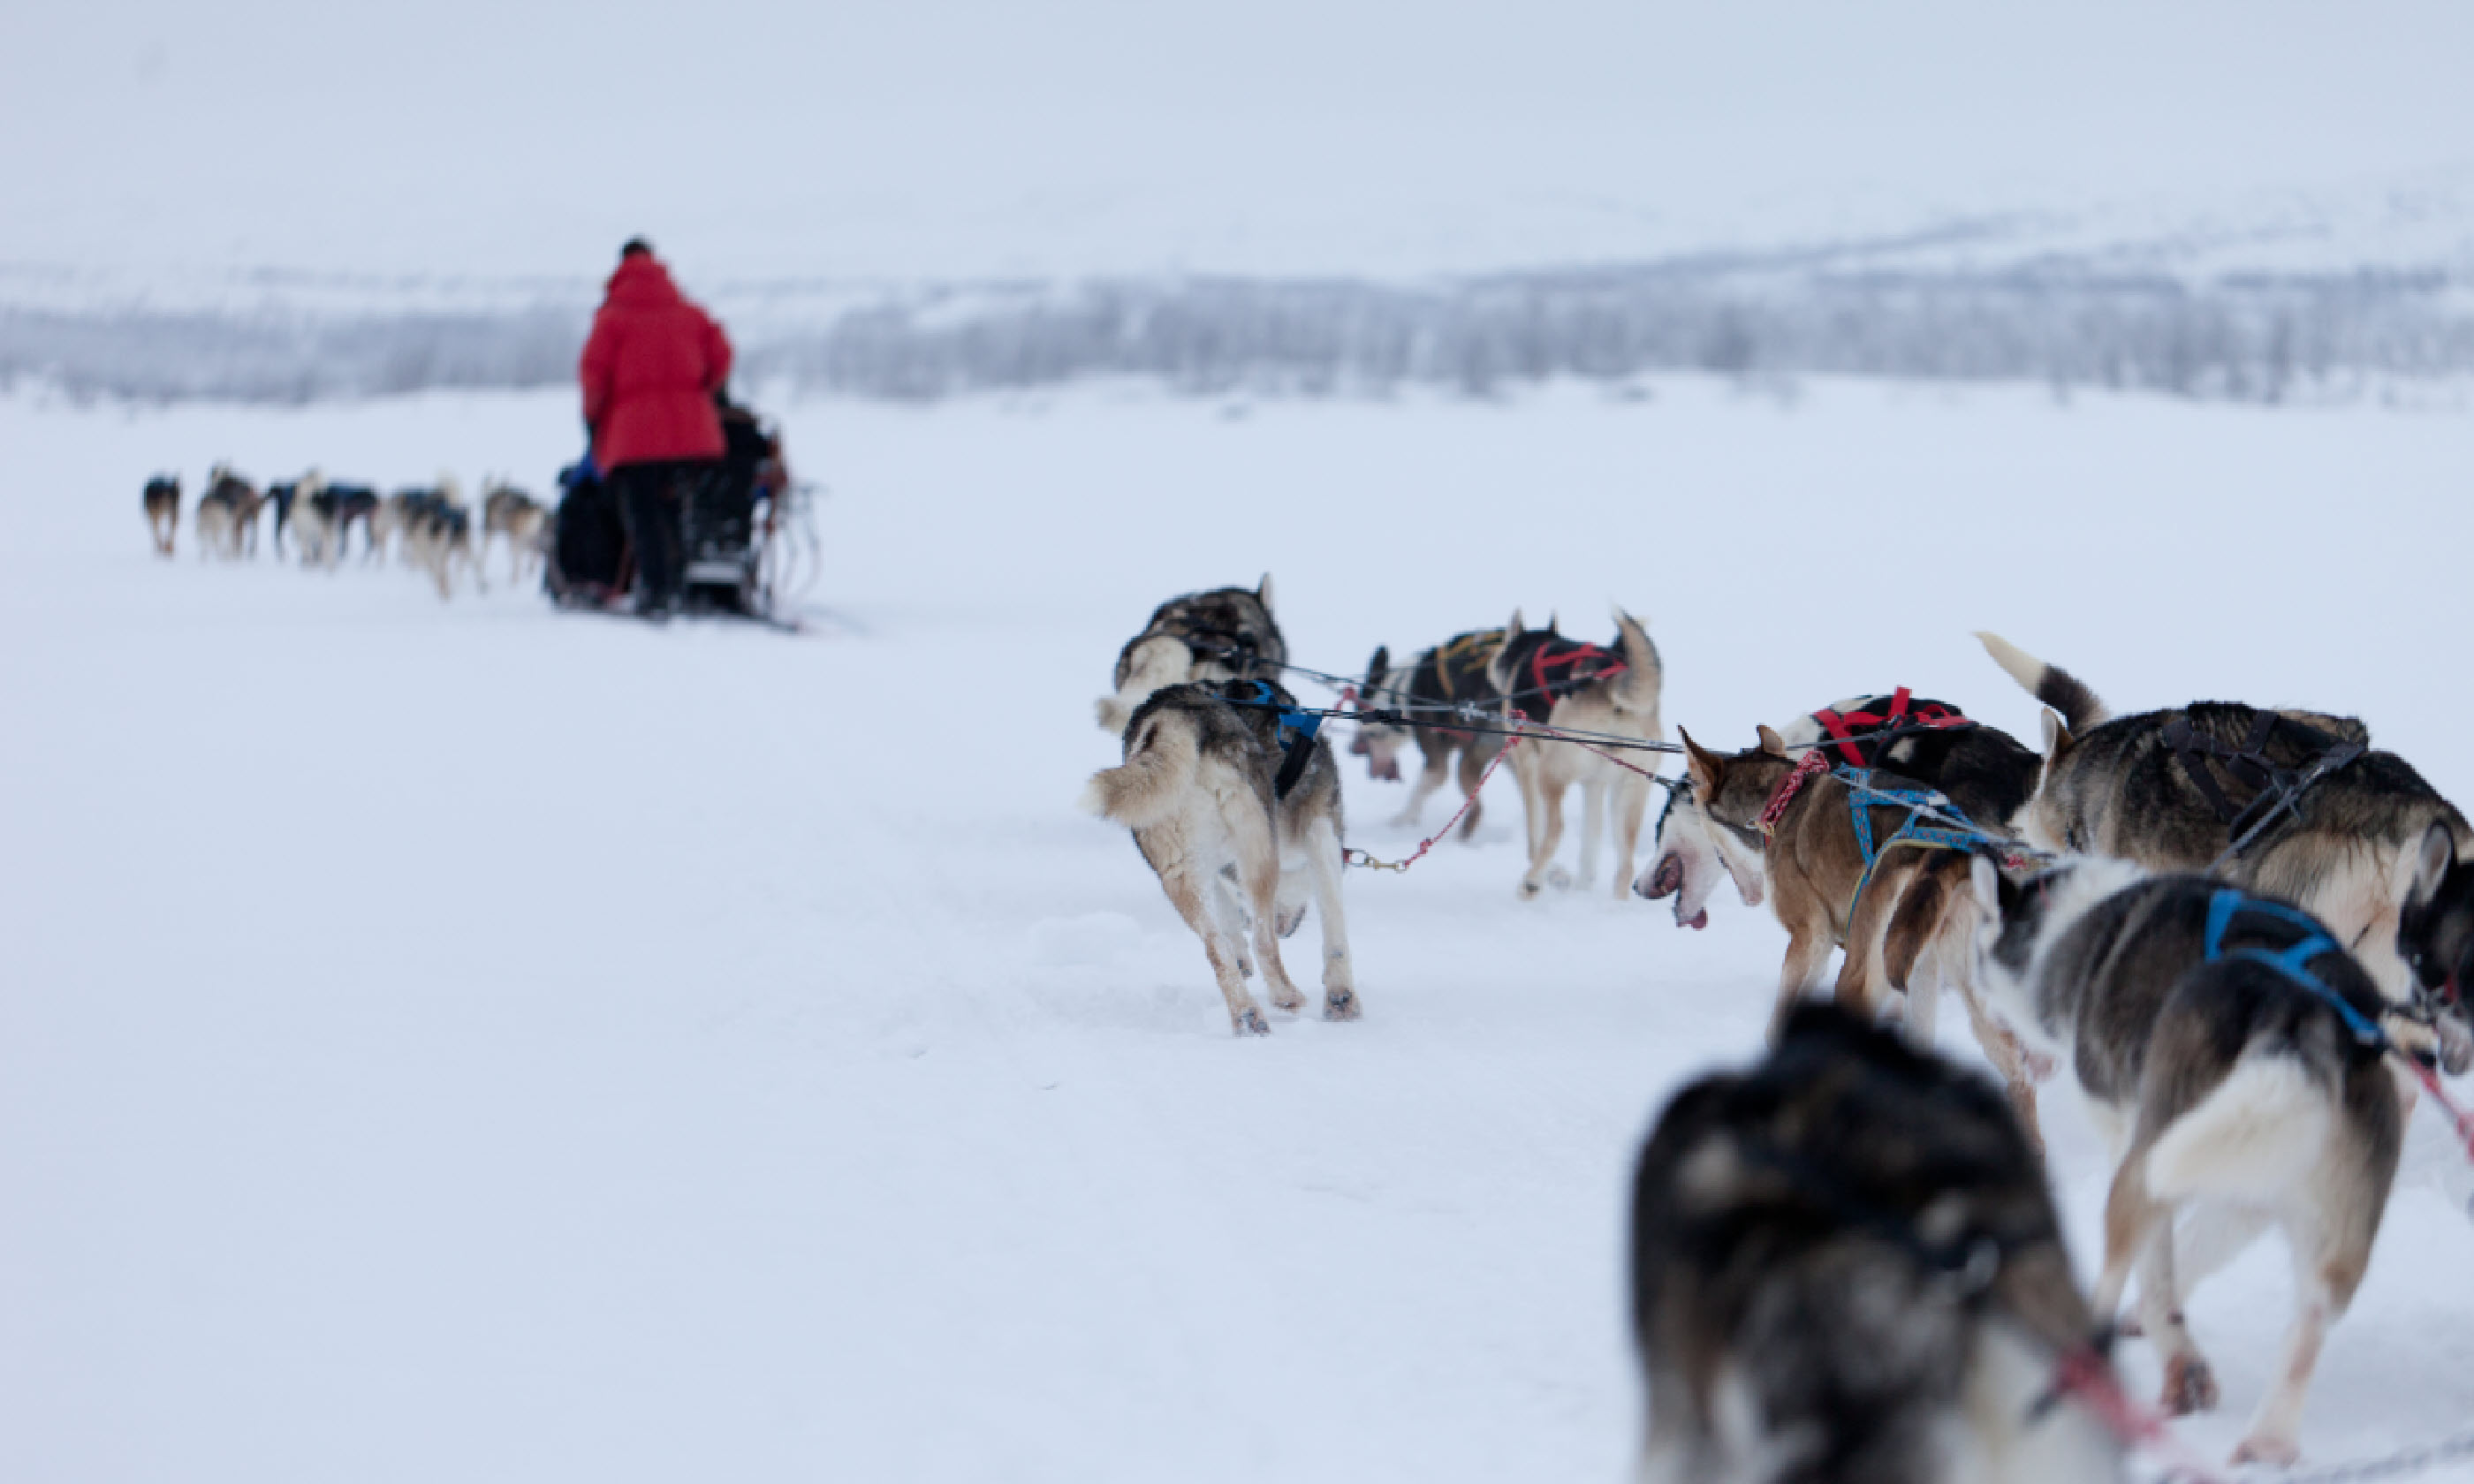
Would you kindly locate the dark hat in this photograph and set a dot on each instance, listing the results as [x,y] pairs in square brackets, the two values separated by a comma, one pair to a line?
[635,245]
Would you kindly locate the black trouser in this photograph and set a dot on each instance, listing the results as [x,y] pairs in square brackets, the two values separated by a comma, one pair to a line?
[652,501]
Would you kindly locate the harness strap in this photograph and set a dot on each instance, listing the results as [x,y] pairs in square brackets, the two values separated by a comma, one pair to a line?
[1571,661]
[1887,726]
[1862,797]
[2293,962]
[1297,729]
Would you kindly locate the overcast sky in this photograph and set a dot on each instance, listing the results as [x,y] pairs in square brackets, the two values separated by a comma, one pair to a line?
[920,137]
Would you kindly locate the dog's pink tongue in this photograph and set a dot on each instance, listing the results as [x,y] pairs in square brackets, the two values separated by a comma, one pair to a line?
[1700,919]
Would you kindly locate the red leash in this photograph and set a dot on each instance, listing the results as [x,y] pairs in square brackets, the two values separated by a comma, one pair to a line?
[1815,762]
[2457,1118]
[1350,855]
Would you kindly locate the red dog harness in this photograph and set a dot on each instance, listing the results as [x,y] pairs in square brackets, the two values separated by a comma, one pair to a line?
[1901,715]
[1559,668]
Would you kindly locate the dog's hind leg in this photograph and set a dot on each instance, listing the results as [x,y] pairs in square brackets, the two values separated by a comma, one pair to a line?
[1230,914]
[1258,876]
[1186,892]
[1808,942]
[2139,1234]
[2276,1428]
[1323,865]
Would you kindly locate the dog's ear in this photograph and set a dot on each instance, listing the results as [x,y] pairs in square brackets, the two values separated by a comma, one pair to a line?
[1550,622]
[1984,878]
[1704,766]
[1772,742]
[1378,667]
[2431,862]
[2057,739]
[1263,592]
[1515,629]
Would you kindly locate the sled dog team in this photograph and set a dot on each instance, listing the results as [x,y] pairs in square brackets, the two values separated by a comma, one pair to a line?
[2245,933]
[430,528]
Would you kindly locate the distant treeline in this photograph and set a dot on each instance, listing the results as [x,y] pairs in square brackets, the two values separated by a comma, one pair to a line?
[2256,338]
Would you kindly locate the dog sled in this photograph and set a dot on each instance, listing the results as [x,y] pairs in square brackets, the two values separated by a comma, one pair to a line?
[747,537]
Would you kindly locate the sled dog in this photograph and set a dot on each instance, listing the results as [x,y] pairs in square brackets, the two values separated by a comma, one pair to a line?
[219,513]
[1450,675]
[509,513]
[1200,790]
[2435,940]
[2148,788]
[316,530]
[2215,1033]
[163,502]
[1910,926]
[1549,680]
[1845,1266]
[1224,634]
[441,541]
[1983,771]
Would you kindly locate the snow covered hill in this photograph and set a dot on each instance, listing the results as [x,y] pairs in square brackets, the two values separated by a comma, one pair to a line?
[462,1042]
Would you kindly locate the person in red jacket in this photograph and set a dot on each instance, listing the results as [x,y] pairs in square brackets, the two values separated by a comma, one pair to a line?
[650,368]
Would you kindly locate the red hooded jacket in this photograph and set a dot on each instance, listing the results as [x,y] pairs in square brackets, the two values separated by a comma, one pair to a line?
[650,368]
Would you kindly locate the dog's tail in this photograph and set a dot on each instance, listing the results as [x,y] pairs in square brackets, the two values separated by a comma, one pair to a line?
[1149,665]
[2251,1137]
[2055,687]
[1160,761]
[1644,673]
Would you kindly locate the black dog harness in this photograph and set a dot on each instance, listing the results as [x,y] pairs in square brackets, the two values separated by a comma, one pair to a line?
[1556,668]
[1901,717]
[1298,727]
[2276,790]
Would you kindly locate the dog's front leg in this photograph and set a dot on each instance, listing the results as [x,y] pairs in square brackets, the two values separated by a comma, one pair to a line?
[1631,806]
[1593,825]
[1548,811]
[1436,767]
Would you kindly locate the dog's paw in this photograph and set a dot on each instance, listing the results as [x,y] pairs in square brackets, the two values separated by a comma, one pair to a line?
[1529,890]
[2274,1449]
[1287,997]
[1559,878]
[1340,1004]
[1250,1022]
[2190,1386]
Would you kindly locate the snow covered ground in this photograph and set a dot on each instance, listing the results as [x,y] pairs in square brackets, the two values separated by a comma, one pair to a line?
[465,1042]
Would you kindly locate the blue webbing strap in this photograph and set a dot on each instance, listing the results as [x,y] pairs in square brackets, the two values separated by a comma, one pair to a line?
[2293,961]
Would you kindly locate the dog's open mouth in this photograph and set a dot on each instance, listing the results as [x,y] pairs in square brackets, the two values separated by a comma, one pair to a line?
[1665,880]
[1696,921]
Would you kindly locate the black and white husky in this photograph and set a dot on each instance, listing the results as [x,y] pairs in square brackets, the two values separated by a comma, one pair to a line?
[1224,634]
[2232,1053]
[2166,789]
[1238,855]
[1845,1267]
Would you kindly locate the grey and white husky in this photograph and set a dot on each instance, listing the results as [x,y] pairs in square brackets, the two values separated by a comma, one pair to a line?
[1565,684]
[2220,1040]
[2116,785]
[1846,1266]
[1224,634]
[1237,856]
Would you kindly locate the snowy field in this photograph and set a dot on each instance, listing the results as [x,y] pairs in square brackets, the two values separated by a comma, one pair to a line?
[462,1042]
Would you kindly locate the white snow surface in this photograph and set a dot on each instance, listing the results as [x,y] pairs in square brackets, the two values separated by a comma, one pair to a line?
[462,1041]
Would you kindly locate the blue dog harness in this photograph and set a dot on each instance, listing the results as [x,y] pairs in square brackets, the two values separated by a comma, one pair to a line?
[1862,800]
[2230,902]
[1298,727]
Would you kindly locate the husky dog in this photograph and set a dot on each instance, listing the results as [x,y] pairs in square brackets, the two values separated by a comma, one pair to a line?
[313,515]
[1451,674]
[1911,927]
[1983,771]
[1199,789]
[1846,1266]
[248,502]
[441,541]
[2119,786]
[1225,634]
[2225,1077]
[508,511]
[354,505]
[163,502]
[1548,678]
[219,513]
